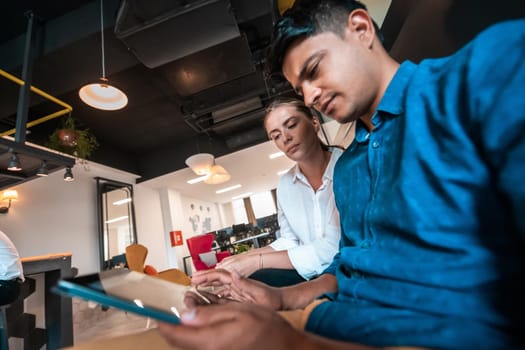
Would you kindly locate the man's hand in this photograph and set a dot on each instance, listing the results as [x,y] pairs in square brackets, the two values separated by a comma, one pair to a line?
[241,326]
[233,286]
[230,327]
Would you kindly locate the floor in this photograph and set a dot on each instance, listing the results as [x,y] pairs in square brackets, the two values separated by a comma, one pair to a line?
[113,323]
[110,323]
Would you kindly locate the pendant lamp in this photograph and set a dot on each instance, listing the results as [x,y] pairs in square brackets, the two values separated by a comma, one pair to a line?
[102,95]
[217,175]
[201,163]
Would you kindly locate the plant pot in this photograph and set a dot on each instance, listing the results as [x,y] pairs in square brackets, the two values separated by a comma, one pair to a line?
[68,137]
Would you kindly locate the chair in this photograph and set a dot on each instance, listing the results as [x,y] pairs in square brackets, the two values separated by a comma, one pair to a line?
[202,255]
[4,335]
[136,257]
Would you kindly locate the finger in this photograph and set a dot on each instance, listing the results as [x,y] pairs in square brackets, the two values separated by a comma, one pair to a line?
[192,299]
[212,314]
[215,276]
[197,335]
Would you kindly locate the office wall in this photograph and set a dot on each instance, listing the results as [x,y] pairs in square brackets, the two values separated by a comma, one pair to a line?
[53,216]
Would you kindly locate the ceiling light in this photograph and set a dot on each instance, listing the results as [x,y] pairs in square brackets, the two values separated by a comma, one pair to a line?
[68,175]
[231,188]
[101,95]
[279,173]
[218,175]
[197,179]
[120,218]
[200,163]
[42,171]
[122,201]
[14,163]
[244,195]
[276,155]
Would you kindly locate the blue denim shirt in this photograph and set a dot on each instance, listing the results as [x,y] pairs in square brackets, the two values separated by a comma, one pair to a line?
[432,206]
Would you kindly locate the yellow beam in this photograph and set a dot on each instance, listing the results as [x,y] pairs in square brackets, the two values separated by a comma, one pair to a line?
[67,108]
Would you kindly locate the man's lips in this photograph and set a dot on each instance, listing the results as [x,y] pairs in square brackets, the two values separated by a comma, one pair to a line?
[326,106]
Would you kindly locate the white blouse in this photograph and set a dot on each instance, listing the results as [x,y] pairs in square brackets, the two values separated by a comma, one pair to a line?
[308,220]
[10,264]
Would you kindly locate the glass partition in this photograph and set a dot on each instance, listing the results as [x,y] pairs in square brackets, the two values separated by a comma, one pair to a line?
[116,221]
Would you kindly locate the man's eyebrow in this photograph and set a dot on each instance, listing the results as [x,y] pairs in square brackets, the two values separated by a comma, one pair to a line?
[306,64]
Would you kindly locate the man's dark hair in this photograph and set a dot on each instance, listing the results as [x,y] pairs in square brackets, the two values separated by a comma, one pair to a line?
[307,18]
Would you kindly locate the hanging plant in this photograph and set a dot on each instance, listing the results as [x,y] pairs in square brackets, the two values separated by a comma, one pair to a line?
[69,139]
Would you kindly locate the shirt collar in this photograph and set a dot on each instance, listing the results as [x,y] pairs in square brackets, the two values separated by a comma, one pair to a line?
[328,172]
[391,104]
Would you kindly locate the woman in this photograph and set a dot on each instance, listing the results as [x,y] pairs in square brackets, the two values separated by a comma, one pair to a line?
[11,273]
[308,218]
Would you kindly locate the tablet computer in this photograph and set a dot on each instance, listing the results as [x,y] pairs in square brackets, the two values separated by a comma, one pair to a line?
[130,291]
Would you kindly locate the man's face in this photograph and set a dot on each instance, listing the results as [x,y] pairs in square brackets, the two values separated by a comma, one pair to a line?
[334,75]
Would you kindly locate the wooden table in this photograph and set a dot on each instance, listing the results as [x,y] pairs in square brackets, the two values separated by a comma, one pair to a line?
[58,310]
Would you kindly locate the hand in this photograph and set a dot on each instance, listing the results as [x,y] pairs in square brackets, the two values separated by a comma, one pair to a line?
[196,298]
[244,264]
[235,287]
[232,326]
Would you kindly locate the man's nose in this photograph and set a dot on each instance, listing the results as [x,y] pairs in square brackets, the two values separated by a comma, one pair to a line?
[312,94]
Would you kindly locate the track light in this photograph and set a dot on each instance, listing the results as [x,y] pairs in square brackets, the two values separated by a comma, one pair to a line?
[68,175]
[42,171]
[14,163]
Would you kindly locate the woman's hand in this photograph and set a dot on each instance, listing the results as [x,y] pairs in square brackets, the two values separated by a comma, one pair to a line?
[244,264]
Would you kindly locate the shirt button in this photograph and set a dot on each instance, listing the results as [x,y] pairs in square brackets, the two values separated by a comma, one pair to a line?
[375,144]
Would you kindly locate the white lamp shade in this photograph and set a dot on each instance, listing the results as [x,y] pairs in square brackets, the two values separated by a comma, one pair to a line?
[103,96]
[217,175]
[200,163]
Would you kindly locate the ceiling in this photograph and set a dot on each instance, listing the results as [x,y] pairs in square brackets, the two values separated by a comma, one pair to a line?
[192,70]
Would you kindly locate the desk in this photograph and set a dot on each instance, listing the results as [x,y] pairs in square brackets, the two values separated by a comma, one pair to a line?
[255,239]
[57,309]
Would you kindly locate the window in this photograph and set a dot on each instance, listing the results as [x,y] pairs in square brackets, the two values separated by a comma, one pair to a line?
[262,204]
[239,213]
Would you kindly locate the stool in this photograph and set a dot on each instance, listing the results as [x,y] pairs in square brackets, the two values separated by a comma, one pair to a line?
[4,336]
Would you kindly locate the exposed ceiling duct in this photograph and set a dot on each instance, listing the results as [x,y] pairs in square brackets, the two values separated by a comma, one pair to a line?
[220,115]
[192,26]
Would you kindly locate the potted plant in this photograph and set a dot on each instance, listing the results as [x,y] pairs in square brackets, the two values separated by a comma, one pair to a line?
[69,139]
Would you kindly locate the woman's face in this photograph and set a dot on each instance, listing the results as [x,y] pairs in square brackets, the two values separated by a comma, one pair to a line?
[293,132]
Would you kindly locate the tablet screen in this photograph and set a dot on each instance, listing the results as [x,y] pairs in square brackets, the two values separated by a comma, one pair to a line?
[129,290]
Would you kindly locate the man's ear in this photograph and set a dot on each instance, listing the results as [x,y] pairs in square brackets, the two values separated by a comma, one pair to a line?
[360,24]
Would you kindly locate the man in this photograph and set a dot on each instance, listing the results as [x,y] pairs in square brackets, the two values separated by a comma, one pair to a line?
[430,195]
[11,274]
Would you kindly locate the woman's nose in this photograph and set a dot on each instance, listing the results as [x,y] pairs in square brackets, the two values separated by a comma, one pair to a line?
[287,136]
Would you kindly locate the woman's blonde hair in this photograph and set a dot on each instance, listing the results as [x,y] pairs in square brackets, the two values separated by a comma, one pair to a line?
[298,105]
